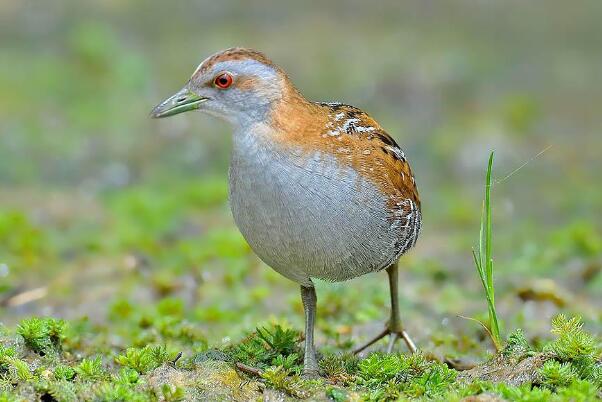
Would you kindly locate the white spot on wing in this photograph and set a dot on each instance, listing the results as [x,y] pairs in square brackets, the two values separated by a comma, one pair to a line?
[398,152]
[349,123]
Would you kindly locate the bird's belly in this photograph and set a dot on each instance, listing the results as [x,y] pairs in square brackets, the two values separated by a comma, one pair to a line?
[308,217]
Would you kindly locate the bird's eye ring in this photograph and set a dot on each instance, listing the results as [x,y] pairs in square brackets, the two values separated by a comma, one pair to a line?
[223,80]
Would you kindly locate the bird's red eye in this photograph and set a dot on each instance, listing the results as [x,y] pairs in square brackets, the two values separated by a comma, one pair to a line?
[223,81]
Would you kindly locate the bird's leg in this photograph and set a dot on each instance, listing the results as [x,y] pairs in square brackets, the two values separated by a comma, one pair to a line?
[393,327]
[310,363]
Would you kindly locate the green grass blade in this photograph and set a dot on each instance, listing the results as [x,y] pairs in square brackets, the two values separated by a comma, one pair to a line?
[481,233]
[477,263]
[483,259]
[488,225]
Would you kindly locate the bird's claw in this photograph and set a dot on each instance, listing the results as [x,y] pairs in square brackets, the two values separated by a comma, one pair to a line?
[395,335]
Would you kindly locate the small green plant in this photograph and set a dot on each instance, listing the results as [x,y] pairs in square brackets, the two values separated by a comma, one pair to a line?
[524,392]
[288,362]
[61,391]
[161,355]
[6,352]
[340,368]
[62,372]
[483,259]
[126,376]
[90,369]
[337,394]
[280,379]
[580,390]
[56,331]
[9,362]
[42,334]
[265,347]
[556,375]
[517,345]
[144,359]
[9,397]
[577,347]
[138,359]
[35,333]
[172,393]
[572,341]
[107,392]
[17,368]
[281,341]
[392,376]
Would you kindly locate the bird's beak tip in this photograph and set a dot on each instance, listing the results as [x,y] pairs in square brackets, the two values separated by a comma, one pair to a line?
[182,101]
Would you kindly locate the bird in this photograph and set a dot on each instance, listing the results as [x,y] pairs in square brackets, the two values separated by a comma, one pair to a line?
[319,190]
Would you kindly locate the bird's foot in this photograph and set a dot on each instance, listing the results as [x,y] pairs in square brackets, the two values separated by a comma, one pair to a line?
[310,374]
[395,335]
[311,369]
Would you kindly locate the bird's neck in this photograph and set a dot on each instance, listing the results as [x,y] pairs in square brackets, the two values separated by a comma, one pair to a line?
[292,111]
[291,123]
[294,117]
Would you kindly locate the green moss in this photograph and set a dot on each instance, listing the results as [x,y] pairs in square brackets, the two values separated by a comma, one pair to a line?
[109,392]
[572,341]
[340,368]
[576,390]
[35,333]
[172,393]
[524,392]
[579,390]
[517,345]
[577,347]
[10,397]
[63,372]
[556,375]
[265,347]
[90,369]
[60,391]
[6,352]
[145,359]
[281,379]
[126,376]
[42,335]
[571,372]
[391,376]
[337,394]
[18,370]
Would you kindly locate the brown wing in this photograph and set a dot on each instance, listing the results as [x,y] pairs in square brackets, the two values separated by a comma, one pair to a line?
[360,140]
[356,139]
[371,150]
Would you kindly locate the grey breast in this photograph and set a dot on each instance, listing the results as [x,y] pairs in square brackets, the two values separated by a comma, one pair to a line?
[308,217]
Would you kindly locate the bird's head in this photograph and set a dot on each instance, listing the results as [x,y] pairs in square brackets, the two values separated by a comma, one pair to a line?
[239,85]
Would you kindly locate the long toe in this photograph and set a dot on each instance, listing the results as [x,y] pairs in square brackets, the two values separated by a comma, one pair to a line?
[409,342]
[377,338]
[392,340]
[395,335]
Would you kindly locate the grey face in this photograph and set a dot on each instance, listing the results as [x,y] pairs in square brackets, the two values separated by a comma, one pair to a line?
[239,91]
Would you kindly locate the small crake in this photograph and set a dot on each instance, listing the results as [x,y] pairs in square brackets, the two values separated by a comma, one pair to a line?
[318,190]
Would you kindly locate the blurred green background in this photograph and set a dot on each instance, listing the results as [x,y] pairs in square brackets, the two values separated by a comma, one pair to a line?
[105,212]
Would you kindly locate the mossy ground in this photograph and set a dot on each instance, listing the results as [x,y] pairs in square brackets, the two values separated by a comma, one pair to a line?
[119,225]
[50,359]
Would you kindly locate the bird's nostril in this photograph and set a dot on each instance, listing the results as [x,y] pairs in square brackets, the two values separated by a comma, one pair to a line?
[181,99]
